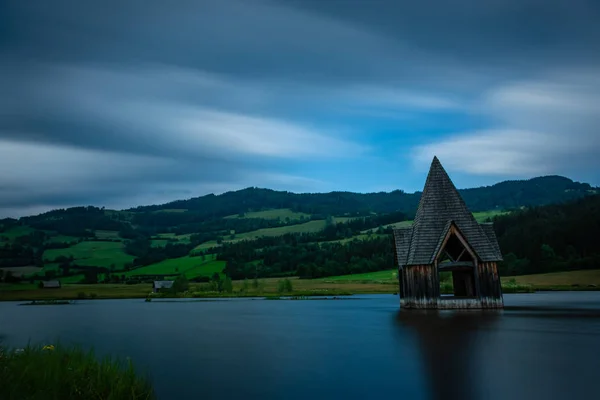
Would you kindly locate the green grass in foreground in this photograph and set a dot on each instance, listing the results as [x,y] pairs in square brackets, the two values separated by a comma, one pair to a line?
[64,373]
[92,253]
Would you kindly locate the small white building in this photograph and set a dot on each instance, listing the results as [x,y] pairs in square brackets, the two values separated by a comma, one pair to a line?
[51,284]
[159,286]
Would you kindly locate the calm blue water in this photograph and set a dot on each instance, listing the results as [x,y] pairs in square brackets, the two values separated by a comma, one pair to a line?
[541,346]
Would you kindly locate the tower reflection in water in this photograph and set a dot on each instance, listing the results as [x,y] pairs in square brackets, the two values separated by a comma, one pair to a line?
[447,341]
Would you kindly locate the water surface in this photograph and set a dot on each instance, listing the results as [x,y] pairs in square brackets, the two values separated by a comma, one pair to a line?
[541,346]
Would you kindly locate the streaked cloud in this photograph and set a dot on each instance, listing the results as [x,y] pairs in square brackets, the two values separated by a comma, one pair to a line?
[146,102]
[546,126]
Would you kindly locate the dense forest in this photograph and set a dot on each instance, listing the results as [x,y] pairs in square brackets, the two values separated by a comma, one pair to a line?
[551,238]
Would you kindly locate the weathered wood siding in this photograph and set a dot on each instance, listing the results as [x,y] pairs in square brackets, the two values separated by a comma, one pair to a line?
[490,288]
[420,286]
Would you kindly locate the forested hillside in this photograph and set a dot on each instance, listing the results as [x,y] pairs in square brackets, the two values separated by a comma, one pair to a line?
[260,232]
[551,238]
[508,194]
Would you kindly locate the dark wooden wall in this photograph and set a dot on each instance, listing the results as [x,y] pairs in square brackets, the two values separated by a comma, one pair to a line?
[420,288]
[490,288]
[420,285]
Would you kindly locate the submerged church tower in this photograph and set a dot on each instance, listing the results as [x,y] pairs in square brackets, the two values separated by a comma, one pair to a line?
[445,237]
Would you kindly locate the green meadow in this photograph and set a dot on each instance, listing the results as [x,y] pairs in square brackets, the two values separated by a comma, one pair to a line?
[180,238]
[98,254]
[159,242]
[100,234]
[388,276]
[16,231]
[279,213]
[481,216]
[191,267]
[61,239]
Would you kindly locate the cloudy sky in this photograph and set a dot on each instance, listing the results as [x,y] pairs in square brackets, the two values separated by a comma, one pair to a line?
[121,103]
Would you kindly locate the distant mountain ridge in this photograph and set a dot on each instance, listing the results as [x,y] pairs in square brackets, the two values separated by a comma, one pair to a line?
[503,195]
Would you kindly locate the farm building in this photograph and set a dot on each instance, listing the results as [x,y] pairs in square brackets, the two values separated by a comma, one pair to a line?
[50,284]
[160,286]
[445,237]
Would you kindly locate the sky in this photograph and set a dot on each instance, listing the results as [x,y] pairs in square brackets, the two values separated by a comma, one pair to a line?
[134,102]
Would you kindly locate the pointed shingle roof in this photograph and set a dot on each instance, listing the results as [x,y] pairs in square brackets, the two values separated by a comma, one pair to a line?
[440,205]
[402,239]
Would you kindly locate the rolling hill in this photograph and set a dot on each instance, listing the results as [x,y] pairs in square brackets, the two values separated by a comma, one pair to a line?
[251,231]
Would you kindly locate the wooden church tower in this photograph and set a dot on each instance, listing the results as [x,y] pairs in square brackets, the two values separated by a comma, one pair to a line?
[446,237]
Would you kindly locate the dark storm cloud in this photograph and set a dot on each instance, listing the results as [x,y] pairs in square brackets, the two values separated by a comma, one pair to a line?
[128,102]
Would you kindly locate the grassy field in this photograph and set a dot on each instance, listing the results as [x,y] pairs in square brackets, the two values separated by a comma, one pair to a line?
[159,242]
[180,238]
[57,238]
[479,216]
[191,267]
[204,246]
[99,254]
[362,236]
[388,276]
[279,213]
[74,291]
[307,227]
[20,271]
[107,235]
[555,280]
[16,231]
[375,282]
[568,279]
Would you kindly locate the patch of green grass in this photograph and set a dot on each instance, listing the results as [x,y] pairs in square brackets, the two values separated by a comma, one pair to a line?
[571,280]
[21,271]
[61,372]
[10,287]
[99,254]
[107,235]
[191,267]
[57,238]
[180,238]
[379,276]
[71,279]
[362,236]
[307,227]
[395,225]
[279,213]
[159,242]
[483,215]
[17,231]
[203,247]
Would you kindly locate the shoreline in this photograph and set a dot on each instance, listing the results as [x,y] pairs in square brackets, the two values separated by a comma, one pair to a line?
[100,292]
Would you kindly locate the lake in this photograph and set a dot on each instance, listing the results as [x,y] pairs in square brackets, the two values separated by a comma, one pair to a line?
[543,345]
